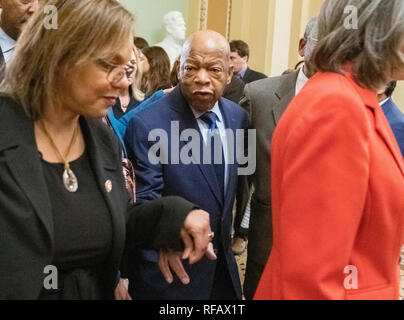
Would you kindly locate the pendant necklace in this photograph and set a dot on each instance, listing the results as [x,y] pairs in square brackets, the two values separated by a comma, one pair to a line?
[69,178]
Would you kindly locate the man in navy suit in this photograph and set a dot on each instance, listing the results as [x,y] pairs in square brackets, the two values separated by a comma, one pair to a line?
[393,114]
[168,145]
[240,54]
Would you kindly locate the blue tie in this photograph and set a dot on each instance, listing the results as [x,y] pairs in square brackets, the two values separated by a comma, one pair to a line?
[210,119]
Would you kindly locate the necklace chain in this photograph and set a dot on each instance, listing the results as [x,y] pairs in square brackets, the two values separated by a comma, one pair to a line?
[73,139]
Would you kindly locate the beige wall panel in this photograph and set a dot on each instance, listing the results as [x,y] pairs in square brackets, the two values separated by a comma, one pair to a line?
[295,34]
[240,20]
[260,35]
[398,96]
[281,36]
[217,16]
[194,16]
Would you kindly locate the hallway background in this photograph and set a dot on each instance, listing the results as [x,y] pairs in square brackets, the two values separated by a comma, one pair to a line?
[272,28]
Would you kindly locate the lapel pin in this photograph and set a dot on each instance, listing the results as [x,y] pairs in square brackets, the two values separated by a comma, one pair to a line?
[108,186]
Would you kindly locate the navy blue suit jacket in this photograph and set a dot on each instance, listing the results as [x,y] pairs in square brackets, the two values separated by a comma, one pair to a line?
[194,182]
[396,119]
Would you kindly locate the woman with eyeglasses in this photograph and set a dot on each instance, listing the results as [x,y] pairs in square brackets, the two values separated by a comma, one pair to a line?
[131,99]
[64,212]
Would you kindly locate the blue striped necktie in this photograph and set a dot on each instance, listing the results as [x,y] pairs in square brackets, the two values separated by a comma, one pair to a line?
[210,119]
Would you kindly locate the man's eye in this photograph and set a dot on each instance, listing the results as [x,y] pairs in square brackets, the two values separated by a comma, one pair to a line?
[189,68]
[216,70]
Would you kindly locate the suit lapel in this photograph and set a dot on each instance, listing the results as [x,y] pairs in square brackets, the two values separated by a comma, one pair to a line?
[18,143]
[25,165]
[186,120]
[247,75]
[285,93]
[381,124]
[105,168]
[229,122]
[384,130]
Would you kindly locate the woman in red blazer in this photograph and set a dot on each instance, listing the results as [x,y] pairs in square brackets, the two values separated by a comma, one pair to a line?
[337,171]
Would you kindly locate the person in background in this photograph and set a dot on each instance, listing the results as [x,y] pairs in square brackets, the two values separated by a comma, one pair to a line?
[393,114]
[158,76]
[195,106]
[234,90]
[130,96]
[141,43]
[240,54]
[63,205]
[265,101]
[175,73]
[337,171]
[14,15]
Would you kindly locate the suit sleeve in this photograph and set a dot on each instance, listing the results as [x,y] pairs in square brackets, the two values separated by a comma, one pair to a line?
[149,176]
[244,182]
[157,224]
[320,197]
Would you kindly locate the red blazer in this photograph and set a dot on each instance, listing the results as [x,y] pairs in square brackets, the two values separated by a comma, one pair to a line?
[338,197]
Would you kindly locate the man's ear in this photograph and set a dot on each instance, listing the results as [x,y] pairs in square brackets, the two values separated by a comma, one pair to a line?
[230,74]
[302,45]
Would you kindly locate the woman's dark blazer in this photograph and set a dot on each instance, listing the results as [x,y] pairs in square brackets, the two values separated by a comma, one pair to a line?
[26,223]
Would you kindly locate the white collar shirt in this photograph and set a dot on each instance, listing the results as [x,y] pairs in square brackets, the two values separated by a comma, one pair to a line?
[7,45]
[301,81]
[204,129]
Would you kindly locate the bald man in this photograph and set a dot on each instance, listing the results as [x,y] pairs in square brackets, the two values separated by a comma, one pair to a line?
[196,111]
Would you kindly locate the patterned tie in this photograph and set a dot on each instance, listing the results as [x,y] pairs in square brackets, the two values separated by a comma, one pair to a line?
[210,119]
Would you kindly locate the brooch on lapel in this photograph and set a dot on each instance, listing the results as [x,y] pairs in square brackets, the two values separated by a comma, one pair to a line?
[108,186]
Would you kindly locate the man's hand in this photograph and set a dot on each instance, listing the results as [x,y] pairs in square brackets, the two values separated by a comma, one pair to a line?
[197,235]
[171,261]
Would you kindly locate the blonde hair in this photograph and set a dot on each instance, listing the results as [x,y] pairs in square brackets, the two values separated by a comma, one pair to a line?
[373,45]
[86,30]
[137,93]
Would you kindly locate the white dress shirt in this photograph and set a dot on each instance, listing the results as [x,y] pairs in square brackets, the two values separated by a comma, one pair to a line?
[7,45]
[204,128]
[301,81]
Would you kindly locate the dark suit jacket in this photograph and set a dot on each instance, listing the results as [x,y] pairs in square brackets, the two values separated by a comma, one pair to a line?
[234,91]
[194,182]
[2,65]
[26,218]
[265,101]
[251,75]
[396,121]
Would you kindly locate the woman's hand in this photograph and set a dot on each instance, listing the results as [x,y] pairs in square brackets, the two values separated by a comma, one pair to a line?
[121,290]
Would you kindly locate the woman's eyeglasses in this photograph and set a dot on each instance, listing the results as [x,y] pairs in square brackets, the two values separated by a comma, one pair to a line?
[116,73]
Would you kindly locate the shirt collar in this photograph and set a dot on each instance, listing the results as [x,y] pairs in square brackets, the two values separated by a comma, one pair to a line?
[6,42]
[301,81]
[384,101]
[215,110]
[241,74]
